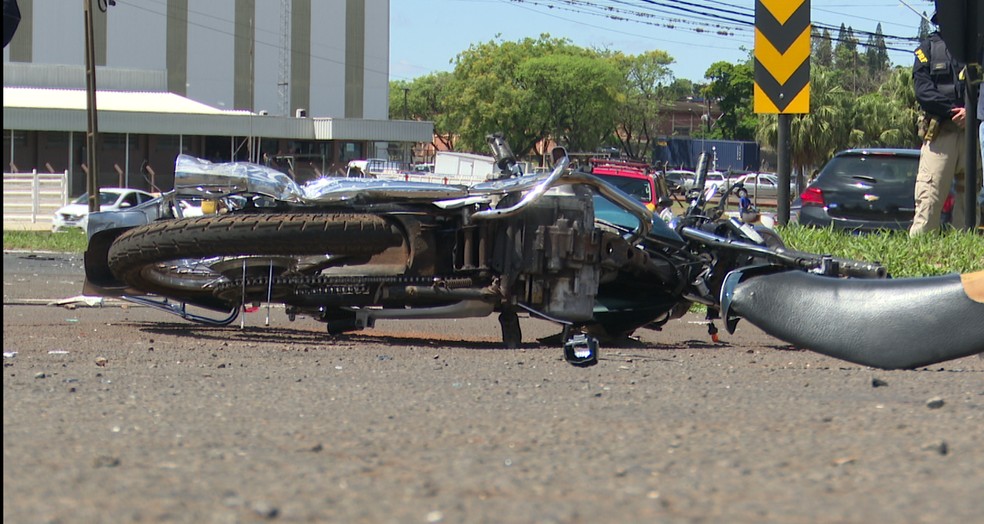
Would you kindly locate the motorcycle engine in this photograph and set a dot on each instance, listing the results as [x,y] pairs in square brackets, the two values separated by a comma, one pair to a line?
[549,256]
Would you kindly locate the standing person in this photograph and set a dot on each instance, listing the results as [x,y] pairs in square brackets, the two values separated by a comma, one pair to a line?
[940,93]
[11,19]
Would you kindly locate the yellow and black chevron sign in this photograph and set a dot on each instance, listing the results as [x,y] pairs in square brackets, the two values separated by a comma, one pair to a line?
[782,56]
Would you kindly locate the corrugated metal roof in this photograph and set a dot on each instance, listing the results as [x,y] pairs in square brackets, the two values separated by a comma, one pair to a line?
[149,102]
[67,76]
[358,129]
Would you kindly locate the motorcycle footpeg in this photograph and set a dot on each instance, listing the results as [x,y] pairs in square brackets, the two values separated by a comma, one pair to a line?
[581,350]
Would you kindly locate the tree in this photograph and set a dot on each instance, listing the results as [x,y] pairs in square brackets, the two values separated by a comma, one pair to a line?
[486,96]
[731,86]
[817,135]
[681,88]
[573,95]
[876,61]
[839,120]
[823,54]
[424,98]
[648,87]
[889,116]
[846,59]
[924,28]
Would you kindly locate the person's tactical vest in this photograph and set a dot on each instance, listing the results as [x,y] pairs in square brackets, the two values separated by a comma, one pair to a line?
[941,68]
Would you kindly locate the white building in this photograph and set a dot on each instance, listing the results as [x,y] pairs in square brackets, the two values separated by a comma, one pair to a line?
[308,80]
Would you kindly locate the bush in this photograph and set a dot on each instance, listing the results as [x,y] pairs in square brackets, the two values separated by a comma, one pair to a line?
[925,255]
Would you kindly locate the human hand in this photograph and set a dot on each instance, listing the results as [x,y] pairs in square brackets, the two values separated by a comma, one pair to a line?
[959,116]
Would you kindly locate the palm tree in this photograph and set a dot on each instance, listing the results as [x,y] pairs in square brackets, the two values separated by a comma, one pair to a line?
[817,135]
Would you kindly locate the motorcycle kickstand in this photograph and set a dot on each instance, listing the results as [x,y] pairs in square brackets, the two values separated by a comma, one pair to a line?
[512,333]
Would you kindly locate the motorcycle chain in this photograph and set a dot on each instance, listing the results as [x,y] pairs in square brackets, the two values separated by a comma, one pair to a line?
[311,285]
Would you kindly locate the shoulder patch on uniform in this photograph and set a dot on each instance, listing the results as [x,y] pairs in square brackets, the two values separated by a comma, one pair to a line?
[921,56]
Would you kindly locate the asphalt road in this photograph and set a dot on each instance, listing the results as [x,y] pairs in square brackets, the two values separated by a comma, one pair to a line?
[125,414]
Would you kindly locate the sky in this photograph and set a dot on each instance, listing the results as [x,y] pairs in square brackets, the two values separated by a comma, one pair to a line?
[426,35]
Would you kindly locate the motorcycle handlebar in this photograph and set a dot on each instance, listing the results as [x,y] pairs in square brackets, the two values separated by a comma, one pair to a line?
[854,268]
[532,196]
[824,264]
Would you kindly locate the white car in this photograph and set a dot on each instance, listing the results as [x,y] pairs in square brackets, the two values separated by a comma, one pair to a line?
[76,214]
[764,185]
[715,179]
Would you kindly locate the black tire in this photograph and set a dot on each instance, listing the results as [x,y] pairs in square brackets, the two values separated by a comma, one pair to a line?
[135,255]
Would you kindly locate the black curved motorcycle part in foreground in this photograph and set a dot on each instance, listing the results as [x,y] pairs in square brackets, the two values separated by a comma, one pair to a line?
[889,324]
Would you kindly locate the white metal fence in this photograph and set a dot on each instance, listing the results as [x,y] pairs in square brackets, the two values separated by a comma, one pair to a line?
[30,199]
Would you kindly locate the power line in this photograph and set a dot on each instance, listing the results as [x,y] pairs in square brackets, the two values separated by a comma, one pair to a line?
[659,13]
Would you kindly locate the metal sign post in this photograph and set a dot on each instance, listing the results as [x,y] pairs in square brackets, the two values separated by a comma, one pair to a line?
[92,131]
[782,76]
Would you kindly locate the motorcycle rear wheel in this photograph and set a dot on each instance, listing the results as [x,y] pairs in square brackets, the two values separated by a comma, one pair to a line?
[163,257]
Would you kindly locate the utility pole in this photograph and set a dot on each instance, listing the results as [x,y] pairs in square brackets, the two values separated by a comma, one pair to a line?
[708,102]
[406,114]
[92,132]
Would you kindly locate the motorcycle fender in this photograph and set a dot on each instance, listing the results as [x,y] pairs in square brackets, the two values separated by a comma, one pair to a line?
[884,323]
[103,228]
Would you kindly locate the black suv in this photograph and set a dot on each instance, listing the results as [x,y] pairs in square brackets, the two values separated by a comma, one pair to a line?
[862,190]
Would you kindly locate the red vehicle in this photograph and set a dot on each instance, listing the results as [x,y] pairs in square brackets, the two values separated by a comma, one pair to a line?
[634,178]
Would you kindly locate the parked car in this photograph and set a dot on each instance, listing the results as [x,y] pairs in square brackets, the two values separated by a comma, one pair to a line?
[715,179]
[763,185]
[191,206]
[861,190]
[678,180]
[635,179]
[76,214]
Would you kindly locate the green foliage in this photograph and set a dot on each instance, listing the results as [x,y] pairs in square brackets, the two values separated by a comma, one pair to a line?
[815,136]
[70,241]
[846,57]
[823,51]
[839,119]
[731,85]
[925,255]
[876,54]
[539,89]
[488,94]
[644,94]
[574,97]
[424,98]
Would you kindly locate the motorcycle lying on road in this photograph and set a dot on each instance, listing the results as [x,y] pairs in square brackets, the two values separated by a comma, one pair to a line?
[564,246]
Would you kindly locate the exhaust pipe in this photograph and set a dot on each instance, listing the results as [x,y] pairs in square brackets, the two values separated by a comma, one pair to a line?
[884,323]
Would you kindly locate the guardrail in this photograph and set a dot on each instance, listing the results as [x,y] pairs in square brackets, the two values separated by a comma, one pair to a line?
[30,199]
